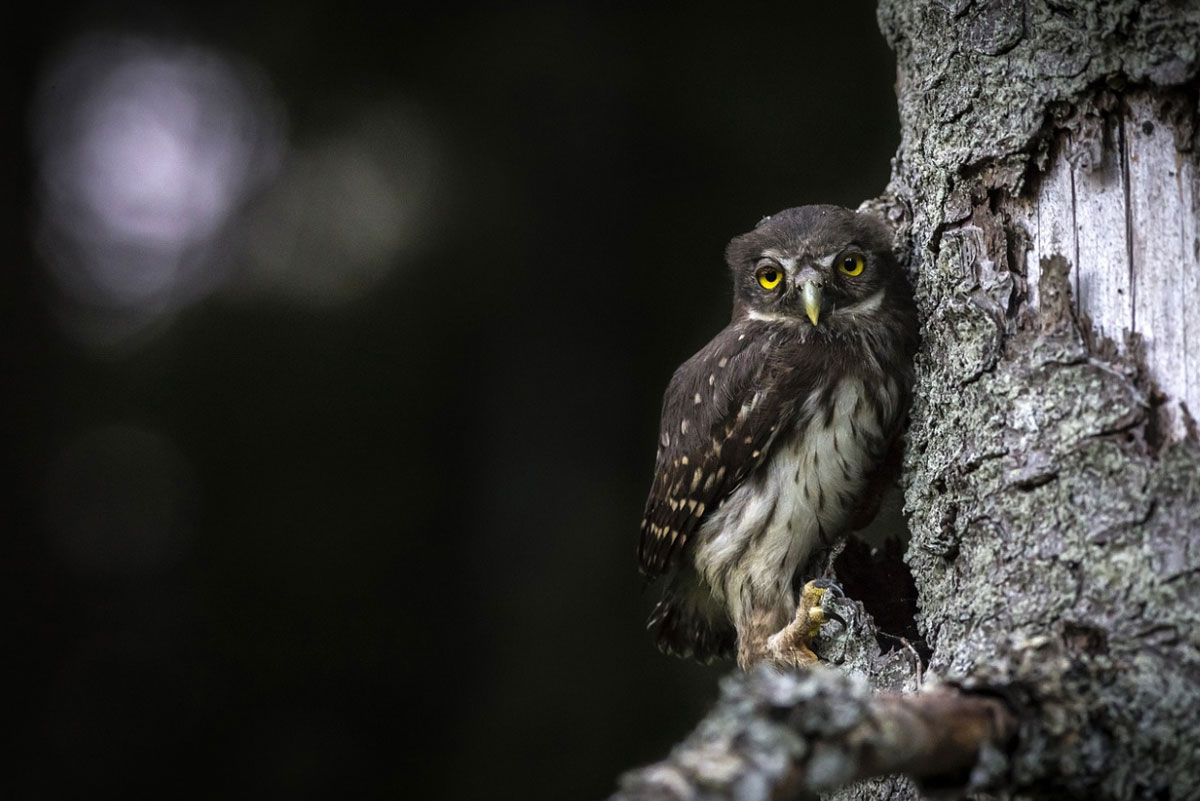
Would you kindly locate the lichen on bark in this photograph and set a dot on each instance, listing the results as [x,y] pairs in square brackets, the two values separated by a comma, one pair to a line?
[1055,544]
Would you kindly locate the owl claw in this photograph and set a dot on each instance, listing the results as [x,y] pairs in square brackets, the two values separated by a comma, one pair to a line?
[838,618]
[790,646]
[825,584]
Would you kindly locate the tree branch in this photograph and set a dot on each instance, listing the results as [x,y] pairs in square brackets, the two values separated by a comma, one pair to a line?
[793,735]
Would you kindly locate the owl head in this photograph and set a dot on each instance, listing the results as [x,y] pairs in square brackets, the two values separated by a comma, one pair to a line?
[812,262]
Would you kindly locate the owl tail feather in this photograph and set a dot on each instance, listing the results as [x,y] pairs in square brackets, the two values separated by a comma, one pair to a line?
[689,623]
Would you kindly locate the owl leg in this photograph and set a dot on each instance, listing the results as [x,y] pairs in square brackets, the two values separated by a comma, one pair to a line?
[755,625]
[789,647]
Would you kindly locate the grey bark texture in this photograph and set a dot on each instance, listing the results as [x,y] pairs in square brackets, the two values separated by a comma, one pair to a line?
[1046,195]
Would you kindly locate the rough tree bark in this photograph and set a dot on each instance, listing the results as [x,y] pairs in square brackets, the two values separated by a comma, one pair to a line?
[1046,193]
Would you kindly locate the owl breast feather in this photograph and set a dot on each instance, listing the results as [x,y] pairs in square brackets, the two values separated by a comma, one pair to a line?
[803,494]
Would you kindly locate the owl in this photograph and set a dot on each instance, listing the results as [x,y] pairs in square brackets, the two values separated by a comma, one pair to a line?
[775,437]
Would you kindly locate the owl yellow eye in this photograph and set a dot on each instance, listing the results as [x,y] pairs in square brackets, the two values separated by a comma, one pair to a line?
[769,277]
[852,264]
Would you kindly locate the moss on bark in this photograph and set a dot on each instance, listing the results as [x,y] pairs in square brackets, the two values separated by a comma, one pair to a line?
[1056,547]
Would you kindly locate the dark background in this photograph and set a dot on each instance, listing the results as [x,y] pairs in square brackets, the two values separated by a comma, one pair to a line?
[397,531]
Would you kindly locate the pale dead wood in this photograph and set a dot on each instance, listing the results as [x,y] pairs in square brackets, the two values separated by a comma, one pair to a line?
[1120,203]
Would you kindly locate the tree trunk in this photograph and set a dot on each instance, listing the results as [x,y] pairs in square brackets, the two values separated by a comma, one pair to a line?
[1046,192]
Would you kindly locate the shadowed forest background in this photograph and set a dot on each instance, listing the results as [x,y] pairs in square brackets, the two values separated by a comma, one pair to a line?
[333,354]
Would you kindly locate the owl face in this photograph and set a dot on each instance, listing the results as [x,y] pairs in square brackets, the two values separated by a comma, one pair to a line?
[809,263]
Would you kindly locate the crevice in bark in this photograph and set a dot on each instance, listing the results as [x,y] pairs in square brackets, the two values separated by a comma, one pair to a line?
[1123,150]
[877,576]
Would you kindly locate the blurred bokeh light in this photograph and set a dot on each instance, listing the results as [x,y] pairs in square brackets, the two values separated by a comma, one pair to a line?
[345,209]
[165,175]
[145,148]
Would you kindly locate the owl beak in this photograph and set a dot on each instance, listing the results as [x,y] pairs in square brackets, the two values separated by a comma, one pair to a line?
[810,293]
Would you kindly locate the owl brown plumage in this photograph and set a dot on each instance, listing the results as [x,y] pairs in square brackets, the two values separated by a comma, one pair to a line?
[774,435]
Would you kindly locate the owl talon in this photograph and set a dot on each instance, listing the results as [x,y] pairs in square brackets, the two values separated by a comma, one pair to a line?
[815,590]
[825,584]
[790,646]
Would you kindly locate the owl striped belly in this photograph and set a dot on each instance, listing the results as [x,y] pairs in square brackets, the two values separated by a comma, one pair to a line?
[749,549]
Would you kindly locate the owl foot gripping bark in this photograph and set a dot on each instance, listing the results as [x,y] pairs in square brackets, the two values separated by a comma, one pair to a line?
[789,647]
[777,434]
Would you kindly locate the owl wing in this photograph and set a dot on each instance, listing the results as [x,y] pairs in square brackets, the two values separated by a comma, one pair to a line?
[722,412]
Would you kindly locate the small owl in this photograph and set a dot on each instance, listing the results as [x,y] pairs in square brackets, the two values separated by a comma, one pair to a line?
[775,437]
